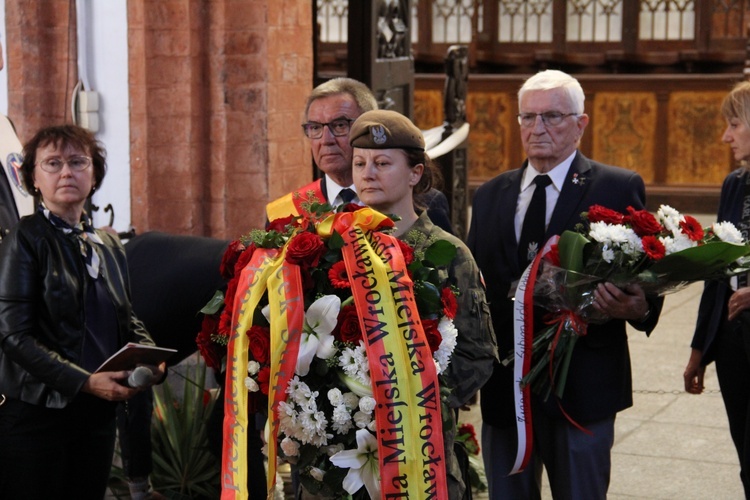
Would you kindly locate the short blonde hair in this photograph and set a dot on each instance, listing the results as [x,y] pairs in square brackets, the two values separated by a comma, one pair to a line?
[736,104]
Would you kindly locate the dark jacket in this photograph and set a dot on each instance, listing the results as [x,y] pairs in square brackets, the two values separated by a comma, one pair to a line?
[42,318]
[599,381]
[713,306]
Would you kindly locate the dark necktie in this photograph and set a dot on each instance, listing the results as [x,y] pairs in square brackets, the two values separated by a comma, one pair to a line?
[346,195]
[534,227]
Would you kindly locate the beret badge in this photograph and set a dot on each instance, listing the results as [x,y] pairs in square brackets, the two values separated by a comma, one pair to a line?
[378,134]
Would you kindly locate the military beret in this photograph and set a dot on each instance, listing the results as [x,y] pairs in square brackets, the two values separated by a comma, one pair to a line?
[384,129]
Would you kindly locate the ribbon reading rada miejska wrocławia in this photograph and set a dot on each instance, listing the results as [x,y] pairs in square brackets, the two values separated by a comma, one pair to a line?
[403,373]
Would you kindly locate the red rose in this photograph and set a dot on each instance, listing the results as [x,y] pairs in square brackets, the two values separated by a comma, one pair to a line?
[643,222]
[264,375]
[350,207]
[305,249]
[347,326]
[434,338]
[598,213]
[229,260]
[259,343]
[338,275]
[207,347]
[243,260]
[407,251]
[653,248]
[448,300]
[279,225]
[692,228]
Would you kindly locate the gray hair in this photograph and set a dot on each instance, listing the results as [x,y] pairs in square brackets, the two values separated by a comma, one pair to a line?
[362,95]
[553,79]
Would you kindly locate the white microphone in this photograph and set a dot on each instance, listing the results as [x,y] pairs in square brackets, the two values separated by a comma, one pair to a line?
[140,377]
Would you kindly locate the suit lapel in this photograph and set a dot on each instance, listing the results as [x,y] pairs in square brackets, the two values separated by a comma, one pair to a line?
[508,197]
[574,189]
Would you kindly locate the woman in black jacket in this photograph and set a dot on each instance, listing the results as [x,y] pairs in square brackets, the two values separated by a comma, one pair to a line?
[64,309]
[722,330]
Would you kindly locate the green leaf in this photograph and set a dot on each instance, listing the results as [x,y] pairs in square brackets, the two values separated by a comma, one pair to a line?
[698,263]
[428,297]
[571,246]
[215,304]
[440,253]
[335,242]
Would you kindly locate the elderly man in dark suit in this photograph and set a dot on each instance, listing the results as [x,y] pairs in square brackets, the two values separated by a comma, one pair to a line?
[552,121]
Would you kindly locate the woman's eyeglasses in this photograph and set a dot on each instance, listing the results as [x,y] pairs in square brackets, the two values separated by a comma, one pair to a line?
[55,164]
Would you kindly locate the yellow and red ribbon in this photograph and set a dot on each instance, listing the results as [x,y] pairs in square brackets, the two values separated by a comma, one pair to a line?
[404,377]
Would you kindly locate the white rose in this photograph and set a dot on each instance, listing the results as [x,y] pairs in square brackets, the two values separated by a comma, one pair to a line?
[290,447]
[251,385]
[367,404]
[253,367]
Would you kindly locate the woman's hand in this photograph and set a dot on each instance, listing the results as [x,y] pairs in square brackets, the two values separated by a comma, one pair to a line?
[738,302]
[694,373]
[109,386]
[626,303]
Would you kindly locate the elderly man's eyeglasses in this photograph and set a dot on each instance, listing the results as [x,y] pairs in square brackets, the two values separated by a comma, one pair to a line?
[549,118]
[55,164]
[338,127]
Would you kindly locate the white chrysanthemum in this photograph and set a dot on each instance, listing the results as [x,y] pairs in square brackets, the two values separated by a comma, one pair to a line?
[253,367]
[342,420]
[288,418]
[348,362]
[351,400]
[290,447]
[316,473]
[669,218]
[608,255]
[677,243]
[341,414]
[335,396]
[251,384]
[447,345]
[299,391]
[367,404]
[362,419]
[633,247]
[599,231]
[726,231]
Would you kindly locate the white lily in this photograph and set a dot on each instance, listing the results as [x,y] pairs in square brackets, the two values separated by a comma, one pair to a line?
[320,320]
[362,464]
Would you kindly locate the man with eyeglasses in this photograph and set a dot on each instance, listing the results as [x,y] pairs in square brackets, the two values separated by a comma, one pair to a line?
[331,109]
[552,188]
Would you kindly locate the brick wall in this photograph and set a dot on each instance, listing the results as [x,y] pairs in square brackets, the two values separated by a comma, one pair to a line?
[41,47]
[217,92]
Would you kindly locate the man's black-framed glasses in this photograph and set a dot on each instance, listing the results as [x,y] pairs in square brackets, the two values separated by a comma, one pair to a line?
[338,127]
[550,118]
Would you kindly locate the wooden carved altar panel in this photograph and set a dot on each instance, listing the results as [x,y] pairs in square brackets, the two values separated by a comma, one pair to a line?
[623,126]
[490,115]
[696,153]
[428,108]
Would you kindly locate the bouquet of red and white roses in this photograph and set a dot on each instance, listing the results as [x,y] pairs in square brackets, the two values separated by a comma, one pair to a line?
[329,386]
[658,252]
